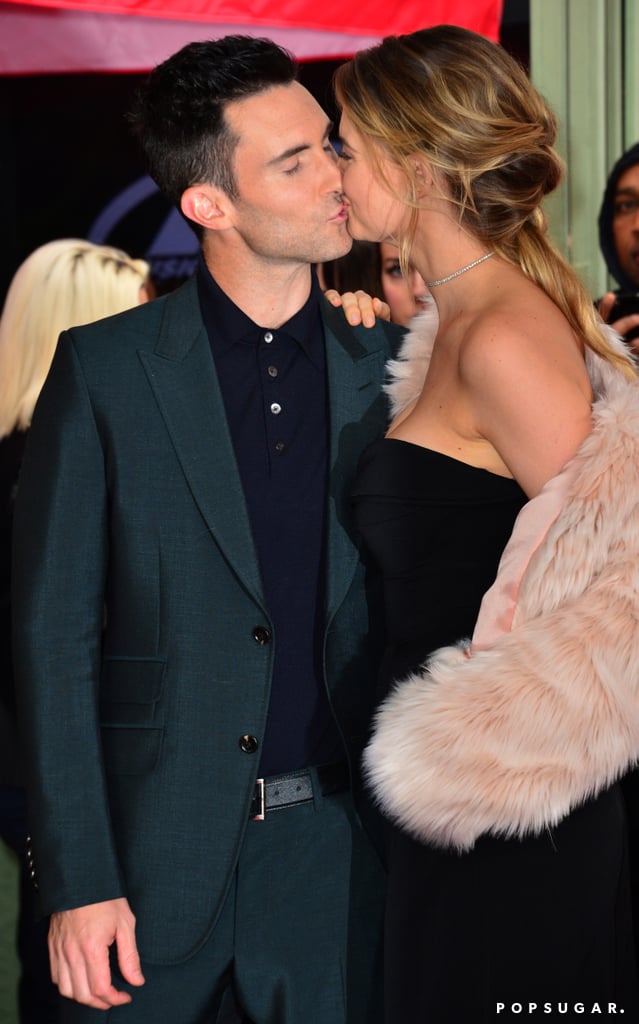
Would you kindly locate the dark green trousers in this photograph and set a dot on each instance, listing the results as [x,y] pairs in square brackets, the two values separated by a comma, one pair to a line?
[298,941]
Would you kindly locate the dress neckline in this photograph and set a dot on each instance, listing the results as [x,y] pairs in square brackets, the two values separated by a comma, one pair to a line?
[451,458]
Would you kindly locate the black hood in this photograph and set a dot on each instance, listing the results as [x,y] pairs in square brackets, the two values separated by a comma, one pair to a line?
[606,240]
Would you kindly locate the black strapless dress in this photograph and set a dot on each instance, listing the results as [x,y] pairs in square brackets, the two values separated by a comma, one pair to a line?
[545,920]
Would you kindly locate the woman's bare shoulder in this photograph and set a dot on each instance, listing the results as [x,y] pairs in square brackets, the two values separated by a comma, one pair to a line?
[521,335]
[527,388]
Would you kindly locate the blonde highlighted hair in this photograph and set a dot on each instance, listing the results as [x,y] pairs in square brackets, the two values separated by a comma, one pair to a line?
[468,107]
[62,284]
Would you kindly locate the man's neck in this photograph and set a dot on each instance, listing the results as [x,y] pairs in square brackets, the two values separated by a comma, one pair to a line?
[270,293]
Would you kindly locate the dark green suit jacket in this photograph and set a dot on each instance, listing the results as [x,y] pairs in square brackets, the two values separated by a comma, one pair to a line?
[137,594]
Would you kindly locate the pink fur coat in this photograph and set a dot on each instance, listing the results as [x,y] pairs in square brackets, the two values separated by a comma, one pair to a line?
[542,711]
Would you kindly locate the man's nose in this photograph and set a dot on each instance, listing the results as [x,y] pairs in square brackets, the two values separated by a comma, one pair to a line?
[333,173]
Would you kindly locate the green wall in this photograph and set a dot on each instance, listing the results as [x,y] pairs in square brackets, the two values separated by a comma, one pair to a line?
[583,57]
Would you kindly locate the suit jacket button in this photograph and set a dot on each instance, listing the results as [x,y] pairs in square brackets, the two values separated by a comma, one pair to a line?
[262,635]
[248,744]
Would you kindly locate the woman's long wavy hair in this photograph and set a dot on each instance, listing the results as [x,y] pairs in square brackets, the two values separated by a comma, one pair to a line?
[62,284]
[468,107]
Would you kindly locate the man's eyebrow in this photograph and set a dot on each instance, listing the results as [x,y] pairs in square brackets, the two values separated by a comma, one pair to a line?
[294,150]
[288,153]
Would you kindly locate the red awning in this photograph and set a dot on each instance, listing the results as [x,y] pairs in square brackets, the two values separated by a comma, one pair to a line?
[134,35]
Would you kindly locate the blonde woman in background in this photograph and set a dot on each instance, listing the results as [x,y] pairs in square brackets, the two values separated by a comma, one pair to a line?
[61,284]
[514,430]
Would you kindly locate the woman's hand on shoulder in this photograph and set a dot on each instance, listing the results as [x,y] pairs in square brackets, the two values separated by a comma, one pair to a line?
[529,393]
[359,307]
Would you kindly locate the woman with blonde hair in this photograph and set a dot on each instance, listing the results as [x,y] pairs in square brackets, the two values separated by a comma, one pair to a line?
[60,285]
[503,510]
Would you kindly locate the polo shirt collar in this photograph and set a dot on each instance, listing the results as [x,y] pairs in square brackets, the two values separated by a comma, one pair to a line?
[227,324]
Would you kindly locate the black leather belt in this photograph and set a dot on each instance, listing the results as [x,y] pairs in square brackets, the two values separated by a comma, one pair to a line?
[280,791]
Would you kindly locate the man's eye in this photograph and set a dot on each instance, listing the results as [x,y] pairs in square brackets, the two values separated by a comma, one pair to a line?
[293,170]
[626,206]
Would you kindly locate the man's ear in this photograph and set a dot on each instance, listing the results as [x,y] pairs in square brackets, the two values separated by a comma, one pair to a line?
[207,206]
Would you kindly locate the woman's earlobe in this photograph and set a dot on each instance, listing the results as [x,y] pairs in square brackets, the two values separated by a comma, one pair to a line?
[422,172]
[423,178]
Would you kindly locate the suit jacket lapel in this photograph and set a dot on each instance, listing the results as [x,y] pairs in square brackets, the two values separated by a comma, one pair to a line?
[182,375]
[357,415]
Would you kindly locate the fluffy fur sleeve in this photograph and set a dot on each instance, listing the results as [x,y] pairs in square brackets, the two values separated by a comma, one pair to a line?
[509,739]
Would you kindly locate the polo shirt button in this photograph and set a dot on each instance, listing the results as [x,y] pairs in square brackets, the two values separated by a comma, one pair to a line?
[248,744]
[276,408]
[268,337]
[272,371]
[262,635]
[279,447]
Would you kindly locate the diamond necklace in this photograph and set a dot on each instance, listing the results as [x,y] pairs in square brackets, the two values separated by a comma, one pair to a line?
[443,280]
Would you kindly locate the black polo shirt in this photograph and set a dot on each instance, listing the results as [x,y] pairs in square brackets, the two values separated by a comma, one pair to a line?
[273,383]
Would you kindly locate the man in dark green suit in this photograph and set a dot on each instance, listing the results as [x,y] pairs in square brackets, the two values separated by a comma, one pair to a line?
[192,612]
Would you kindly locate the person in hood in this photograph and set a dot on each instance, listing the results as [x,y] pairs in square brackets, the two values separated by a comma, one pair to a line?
[619,244]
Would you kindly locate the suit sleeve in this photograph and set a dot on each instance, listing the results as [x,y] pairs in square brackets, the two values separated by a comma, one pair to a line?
[60,555]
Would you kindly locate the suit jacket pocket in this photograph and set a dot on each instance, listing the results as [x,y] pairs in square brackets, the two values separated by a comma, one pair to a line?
[130,751]
[131,691]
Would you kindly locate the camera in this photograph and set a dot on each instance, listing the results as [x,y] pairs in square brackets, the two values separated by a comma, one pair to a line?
[625,304]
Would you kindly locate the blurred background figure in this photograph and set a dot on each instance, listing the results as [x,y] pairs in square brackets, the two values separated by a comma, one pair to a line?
[358,270]
[406,295]
[619,244]
[373,267]
[60,285]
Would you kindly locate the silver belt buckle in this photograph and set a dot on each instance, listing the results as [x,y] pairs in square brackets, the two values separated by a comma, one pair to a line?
[261,789]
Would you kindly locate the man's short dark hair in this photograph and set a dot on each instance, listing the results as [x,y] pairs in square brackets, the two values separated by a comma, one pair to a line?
[178,116]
